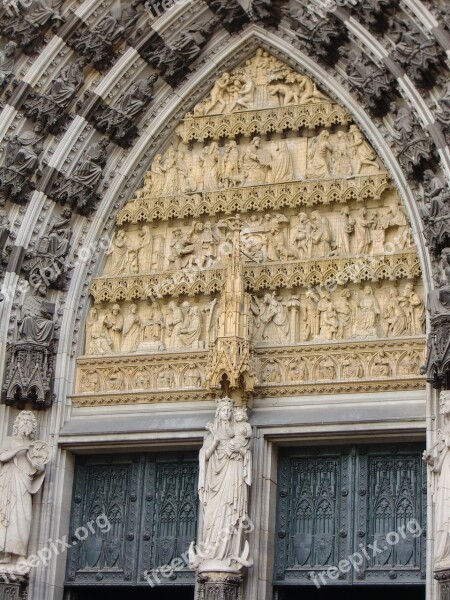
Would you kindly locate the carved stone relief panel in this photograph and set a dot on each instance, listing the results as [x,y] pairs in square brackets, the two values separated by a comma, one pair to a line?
[267,182]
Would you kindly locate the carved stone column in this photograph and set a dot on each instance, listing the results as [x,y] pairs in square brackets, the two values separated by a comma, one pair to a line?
[443,577]
[219,586]
[13,590]
[223,554]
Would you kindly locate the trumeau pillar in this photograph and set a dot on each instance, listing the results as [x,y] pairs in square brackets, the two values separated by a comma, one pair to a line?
[223,553]
[438,459]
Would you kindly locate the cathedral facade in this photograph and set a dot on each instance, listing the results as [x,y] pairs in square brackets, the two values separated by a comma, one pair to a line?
[225,299]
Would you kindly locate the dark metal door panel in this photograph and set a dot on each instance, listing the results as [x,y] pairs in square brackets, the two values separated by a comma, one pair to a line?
[314,515]
[150,502]
[339,503]
[391,513]
[169,516]
[110,487]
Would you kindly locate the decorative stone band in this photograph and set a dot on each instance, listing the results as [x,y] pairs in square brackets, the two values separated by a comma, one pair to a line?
[268,120]
[361,188]
[271,275]
[335,367]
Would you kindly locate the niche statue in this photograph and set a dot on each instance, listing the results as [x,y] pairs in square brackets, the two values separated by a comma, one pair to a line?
[22,471]
[224,482]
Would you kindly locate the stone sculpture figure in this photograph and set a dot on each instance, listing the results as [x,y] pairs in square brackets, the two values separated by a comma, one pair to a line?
[157,177]
[272,373]
[192,325]
[229,173]
[22,151]
[118,253]
[414,309]
[35,325]
[254,166]
[27,30]
[382,365]
[47,264]
[21,162]
[115,380]
[224,482]
[190,41]
[49,109]
[297,370]
[395,320]
[98,340]
[80,188]
[328,317]
[302,236]
[319,156]
[193,376]
[113,322]
[175,323]
[7,62]
[368,314]
[273,319]
[244,95]
[327,369]
[344,226]
[22,472]
[435,211]
[346,314]
[321,235]
[181,250]
[132,330]
[91,382]
[342,166]
[137,96]
[439,465]
[310,314]
[361,152]
[363,237]
[277,246]
[351,367]
[281,167]
[438,301]
[219,95]
[155,324]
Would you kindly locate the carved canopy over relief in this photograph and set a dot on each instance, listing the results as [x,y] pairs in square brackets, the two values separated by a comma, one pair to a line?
[267,248]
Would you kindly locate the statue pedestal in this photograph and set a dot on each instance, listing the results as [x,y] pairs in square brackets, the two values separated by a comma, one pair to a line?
[12,587]
[219,586]
[443,577]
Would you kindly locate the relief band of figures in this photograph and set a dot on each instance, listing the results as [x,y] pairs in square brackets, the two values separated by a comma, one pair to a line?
[265,238]
[315,315]
[255,162]
[264,95]
[175,376]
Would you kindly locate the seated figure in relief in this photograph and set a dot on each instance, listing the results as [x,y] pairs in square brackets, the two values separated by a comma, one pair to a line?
[98,340]
[368,314]
[36,326]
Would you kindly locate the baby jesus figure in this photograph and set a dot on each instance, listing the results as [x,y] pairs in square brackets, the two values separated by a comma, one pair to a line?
[242,431]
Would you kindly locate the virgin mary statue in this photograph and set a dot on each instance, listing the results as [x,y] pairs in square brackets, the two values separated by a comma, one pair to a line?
[224,481]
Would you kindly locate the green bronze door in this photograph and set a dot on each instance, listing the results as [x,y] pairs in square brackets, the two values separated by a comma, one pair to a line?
[351,515]
[131,515]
